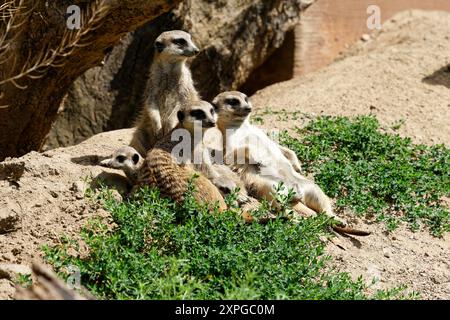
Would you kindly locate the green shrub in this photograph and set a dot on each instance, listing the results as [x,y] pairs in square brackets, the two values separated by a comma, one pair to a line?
[374,173]
[162,251]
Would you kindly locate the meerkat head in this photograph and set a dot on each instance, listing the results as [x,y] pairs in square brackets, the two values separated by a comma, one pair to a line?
[232,107]
[200,113]
[125,158]
[175,45]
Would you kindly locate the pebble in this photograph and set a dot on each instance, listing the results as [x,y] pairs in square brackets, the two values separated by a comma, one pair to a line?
[386,252]
[78,188]
[365,37]
[9,217]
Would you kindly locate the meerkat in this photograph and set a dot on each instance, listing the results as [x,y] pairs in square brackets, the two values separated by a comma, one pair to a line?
[169,86]
[263,164]
[125,158]
[171,176]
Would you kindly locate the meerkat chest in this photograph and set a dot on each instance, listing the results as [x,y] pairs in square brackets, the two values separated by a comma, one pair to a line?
[261,148]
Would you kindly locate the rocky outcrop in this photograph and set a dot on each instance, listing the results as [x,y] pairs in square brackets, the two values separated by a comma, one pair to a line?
[236,38]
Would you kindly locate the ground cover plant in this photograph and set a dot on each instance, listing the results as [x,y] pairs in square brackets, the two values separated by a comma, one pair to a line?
[158,250]
[375,173]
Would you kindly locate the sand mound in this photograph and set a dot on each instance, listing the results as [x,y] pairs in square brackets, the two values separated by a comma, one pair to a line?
[42,197]
[401,74]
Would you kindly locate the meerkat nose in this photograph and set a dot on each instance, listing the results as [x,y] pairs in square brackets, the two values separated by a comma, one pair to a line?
[196,50]
[209,124]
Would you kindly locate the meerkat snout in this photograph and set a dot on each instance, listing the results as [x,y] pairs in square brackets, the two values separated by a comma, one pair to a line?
[175,44]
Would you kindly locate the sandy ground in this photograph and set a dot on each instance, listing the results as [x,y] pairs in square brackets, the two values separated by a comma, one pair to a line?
[399,74]
[42,197]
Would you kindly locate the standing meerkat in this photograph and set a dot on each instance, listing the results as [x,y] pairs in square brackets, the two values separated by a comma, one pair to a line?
[169,86]
[262,164]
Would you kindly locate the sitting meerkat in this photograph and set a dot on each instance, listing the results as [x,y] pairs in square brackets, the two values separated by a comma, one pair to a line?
[169,86]
[263,164]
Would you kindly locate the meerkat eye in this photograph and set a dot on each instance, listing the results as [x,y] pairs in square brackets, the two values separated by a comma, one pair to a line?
[246,99]
[121,159]
[180,42]
[198,114]
[135,158]
[232,102]
[159,46]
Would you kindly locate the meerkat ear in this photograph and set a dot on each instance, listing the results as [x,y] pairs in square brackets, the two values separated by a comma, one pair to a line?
[180,116]
[159,46]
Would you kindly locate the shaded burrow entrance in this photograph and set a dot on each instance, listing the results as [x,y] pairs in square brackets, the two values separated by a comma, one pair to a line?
[277,68]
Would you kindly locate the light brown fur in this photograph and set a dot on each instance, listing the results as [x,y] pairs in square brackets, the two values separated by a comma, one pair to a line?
[169,87]
[163,170]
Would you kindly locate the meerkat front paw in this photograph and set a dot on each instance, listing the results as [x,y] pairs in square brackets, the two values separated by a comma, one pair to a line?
[340,221]
[297,167]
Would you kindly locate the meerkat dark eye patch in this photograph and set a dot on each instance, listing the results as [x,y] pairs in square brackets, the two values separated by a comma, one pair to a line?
[120,159]
[159,46]
[232,102]
[198,114]
[135,158]
[215,106]
[179,42]
[180,116]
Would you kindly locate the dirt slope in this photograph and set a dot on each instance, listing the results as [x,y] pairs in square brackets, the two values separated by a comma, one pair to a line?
[402,73]
[42,197]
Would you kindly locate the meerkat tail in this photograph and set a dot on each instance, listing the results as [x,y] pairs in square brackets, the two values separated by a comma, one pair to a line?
[351,231]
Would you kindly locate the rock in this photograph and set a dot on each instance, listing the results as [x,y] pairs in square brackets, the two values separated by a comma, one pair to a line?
[79,188]
[365,37]
[11,271]
[236,37]
[9,216]
[386,252]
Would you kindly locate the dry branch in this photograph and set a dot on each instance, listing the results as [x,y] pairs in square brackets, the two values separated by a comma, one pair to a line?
[46,57]
[70,41]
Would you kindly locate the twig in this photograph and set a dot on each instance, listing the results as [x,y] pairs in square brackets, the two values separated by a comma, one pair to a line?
[69,42]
